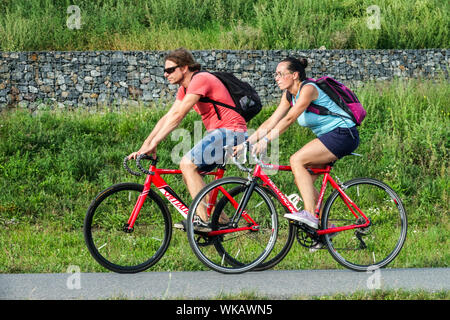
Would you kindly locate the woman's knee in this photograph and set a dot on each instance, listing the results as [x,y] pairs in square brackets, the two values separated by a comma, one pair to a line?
[297,159]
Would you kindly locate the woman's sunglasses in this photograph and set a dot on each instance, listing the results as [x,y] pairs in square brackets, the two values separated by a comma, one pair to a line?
[170,70]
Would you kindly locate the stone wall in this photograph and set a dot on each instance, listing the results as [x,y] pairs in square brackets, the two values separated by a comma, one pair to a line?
[73,79]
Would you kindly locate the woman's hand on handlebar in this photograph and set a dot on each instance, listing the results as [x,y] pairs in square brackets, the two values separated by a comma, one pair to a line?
[259,147]
[238,149]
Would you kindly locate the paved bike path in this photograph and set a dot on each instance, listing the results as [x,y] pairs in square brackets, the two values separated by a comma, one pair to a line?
[209,284]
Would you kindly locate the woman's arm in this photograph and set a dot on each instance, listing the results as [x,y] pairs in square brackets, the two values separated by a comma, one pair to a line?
[307,95]
[272,121]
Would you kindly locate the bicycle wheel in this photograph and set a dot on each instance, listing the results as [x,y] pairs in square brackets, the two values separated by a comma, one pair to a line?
[116,248]
[286,230]
[372,247]
[243,246]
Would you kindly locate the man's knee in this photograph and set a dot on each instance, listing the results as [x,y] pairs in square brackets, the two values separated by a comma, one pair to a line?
[186,165]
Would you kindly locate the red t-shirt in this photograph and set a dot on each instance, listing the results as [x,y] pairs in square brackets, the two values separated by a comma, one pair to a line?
[207,85]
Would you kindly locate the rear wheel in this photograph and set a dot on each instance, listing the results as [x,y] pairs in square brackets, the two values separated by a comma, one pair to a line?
[376,245]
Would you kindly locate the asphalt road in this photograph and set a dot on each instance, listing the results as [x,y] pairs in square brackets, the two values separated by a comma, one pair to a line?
[210,284]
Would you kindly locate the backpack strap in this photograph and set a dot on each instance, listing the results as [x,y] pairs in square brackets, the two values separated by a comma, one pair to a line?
[213,102]
[314,108]
[289,95]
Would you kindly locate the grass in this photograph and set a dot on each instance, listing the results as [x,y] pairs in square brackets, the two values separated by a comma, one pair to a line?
[223,24]
[53,163]
[372,295]
[358,295]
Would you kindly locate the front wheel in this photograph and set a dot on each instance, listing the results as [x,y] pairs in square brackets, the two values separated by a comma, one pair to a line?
[234,248]
[109,240]
[286,230]
[374,246]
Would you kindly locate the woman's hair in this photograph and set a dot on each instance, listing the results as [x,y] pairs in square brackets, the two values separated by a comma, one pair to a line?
[297,65]
[183,57]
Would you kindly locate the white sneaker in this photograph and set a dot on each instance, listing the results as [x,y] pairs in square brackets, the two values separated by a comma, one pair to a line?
[199,225]
[304,217]
[180,225]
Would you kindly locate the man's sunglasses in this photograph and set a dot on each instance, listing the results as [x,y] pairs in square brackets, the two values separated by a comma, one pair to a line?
[170,70]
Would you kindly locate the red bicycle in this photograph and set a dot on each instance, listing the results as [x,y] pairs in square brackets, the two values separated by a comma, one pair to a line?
[128,227]
[363,223]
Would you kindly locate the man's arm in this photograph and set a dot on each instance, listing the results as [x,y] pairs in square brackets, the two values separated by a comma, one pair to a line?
[160,123]
[175,117]
[167,124]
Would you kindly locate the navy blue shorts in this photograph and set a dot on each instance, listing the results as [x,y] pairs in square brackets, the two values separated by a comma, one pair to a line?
[341,141]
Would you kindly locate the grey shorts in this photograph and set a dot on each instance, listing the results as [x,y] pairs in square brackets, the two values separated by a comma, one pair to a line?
[208,153]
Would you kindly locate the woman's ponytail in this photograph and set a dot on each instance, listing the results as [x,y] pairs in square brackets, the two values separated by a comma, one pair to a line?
[297,65]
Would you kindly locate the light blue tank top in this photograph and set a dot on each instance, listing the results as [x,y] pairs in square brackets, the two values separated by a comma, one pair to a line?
[321,124]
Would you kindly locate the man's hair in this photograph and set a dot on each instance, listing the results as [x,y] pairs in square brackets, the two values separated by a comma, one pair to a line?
[183,57]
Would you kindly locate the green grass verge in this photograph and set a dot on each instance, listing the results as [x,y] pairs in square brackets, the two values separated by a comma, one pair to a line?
[224,24]
[359,295]
[53,163]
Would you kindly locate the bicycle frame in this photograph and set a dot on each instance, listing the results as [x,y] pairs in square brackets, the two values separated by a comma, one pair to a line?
[259,173]
[155,178]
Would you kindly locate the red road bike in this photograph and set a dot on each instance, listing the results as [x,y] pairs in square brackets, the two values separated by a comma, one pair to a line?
[363,224]
[128,227]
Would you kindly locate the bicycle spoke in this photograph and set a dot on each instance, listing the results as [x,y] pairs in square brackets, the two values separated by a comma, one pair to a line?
[241,250]
[110,241]
[376,244]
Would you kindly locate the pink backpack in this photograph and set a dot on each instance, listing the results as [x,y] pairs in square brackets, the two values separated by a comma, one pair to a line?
[340,94]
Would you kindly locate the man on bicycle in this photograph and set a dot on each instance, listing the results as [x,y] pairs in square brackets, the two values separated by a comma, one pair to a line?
[224,126]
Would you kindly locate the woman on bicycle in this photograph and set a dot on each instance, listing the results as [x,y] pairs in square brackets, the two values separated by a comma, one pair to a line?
[336,136]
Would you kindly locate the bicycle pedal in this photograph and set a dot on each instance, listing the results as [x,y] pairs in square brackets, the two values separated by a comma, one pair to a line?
[303,226]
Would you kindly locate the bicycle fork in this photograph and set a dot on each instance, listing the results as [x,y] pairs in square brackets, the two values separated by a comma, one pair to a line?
[240,212]
[242,205]
[129,226]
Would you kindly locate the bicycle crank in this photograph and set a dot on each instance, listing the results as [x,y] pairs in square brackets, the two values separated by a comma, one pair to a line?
[203,240]
[306,236]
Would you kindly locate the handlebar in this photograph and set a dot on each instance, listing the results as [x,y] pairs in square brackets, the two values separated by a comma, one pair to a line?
[240,165]
[125,165]
[228,152]
[145,157]
[138,164]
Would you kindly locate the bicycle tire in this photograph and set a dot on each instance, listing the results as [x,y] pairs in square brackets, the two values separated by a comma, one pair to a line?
[109,243]
[252,247]
[285,237]
[373,247]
